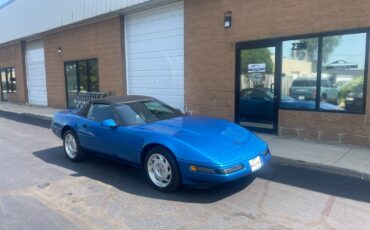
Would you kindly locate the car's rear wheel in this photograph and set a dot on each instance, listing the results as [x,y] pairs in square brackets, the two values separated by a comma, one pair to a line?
[161,169]
[72,146]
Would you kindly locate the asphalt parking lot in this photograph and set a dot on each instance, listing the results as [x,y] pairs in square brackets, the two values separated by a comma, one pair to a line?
[41,189]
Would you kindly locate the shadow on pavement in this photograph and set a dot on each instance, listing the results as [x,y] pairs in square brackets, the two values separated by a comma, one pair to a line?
[26,119]
[323,182]
[133,180]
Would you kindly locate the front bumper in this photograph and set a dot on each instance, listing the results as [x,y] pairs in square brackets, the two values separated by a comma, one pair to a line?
[191,178]
[56,129]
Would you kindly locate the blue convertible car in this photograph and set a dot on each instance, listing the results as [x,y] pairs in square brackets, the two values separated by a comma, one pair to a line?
[173,148]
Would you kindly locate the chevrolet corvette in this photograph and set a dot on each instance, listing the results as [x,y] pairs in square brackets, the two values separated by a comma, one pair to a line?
[174,149]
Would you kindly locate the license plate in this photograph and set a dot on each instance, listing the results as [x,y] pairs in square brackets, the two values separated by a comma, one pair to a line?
[301,97]
[255,163]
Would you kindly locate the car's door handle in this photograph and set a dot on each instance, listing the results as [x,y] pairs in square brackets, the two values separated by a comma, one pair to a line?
[84,125]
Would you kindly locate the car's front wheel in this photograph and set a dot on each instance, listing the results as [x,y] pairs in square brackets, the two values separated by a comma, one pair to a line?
[162,170]
[72,146]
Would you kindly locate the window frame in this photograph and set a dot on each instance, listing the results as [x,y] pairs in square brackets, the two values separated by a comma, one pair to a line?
[78,79]
[108,105]
[9,83]
[320,36]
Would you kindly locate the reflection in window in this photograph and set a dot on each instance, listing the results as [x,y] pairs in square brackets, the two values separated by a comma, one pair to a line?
[100,112]
[342,78]
[299,74]
[81,76]
[8,82]
[257,81]
[93,74]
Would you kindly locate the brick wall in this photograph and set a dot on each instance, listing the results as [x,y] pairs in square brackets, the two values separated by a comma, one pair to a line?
[12,56]
[101,40]
[210,57]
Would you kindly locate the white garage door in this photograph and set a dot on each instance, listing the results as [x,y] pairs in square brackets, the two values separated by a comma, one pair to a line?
[36,77]
[155,53]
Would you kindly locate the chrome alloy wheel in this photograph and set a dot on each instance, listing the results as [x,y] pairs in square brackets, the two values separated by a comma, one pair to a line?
[70,145]
[159,170]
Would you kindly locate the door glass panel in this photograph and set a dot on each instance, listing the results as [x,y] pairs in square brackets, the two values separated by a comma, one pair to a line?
[82,67]
[71,78]
[343,71]
[13,80]
[81,76]
[299,74]
[93,74]
[4,88]
[257,78]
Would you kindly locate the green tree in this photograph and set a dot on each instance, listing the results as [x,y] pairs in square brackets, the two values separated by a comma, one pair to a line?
[254,56]
[328,46]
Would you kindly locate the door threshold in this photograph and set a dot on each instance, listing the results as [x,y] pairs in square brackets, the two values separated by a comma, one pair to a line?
[257,125]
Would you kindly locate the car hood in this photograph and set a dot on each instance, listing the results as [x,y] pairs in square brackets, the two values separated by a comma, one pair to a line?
[219,139]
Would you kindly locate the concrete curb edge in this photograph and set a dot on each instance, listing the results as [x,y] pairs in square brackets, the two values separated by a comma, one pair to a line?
[320,167]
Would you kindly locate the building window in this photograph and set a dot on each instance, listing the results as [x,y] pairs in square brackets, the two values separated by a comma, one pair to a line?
[81,76]
[324,73]
[8,82]
[299,74]
[343,72]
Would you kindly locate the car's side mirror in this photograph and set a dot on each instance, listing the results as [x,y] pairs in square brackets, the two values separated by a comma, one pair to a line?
[110,123]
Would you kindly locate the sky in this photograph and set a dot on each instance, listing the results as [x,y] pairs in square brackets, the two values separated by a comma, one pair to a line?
[3,2]
[351,48]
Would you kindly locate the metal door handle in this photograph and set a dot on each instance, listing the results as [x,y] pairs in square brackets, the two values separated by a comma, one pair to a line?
[272,86]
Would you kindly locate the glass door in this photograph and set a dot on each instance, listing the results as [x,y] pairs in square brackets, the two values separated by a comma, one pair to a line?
[71,83]
[81,76]
[256,86]
[4,84]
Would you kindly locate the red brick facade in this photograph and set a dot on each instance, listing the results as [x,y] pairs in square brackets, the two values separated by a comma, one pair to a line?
[13,56]
[210,58]
[101,40]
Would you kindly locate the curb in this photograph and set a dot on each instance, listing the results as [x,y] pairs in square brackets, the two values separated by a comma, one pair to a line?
[320,167]
[37,120]
[36,116]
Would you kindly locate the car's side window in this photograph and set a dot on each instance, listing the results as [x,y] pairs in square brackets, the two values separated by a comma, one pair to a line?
[100,112]
[257,95]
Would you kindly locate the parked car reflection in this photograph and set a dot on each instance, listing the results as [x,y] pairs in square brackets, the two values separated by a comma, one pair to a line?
[304,88]
[354,100]
[256,104]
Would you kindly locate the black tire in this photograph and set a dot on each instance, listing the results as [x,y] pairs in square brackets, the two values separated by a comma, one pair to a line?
[79,154]
[174,181]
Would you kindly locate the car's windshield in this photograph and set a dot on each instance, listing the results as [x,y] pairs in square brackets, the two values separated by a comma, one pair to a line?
[141,112]
[304,83]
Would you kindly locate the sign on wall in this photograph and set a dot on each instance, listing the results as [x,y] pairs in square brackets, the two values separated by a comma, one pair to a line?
[257,68]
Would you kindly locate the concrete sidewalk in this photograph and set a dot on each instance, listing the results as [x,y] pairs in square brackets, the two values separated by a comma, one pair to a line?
[31,110]
[339,159]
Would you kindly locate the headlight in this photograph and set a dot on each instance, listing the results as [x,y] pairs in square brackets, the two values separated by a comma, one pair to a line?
[231,170]
[266,152]
[202,169]
[235,168]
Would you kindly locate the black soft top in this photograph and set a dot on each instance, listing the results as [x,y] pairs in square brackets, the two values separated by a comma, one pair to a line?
[113,100]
